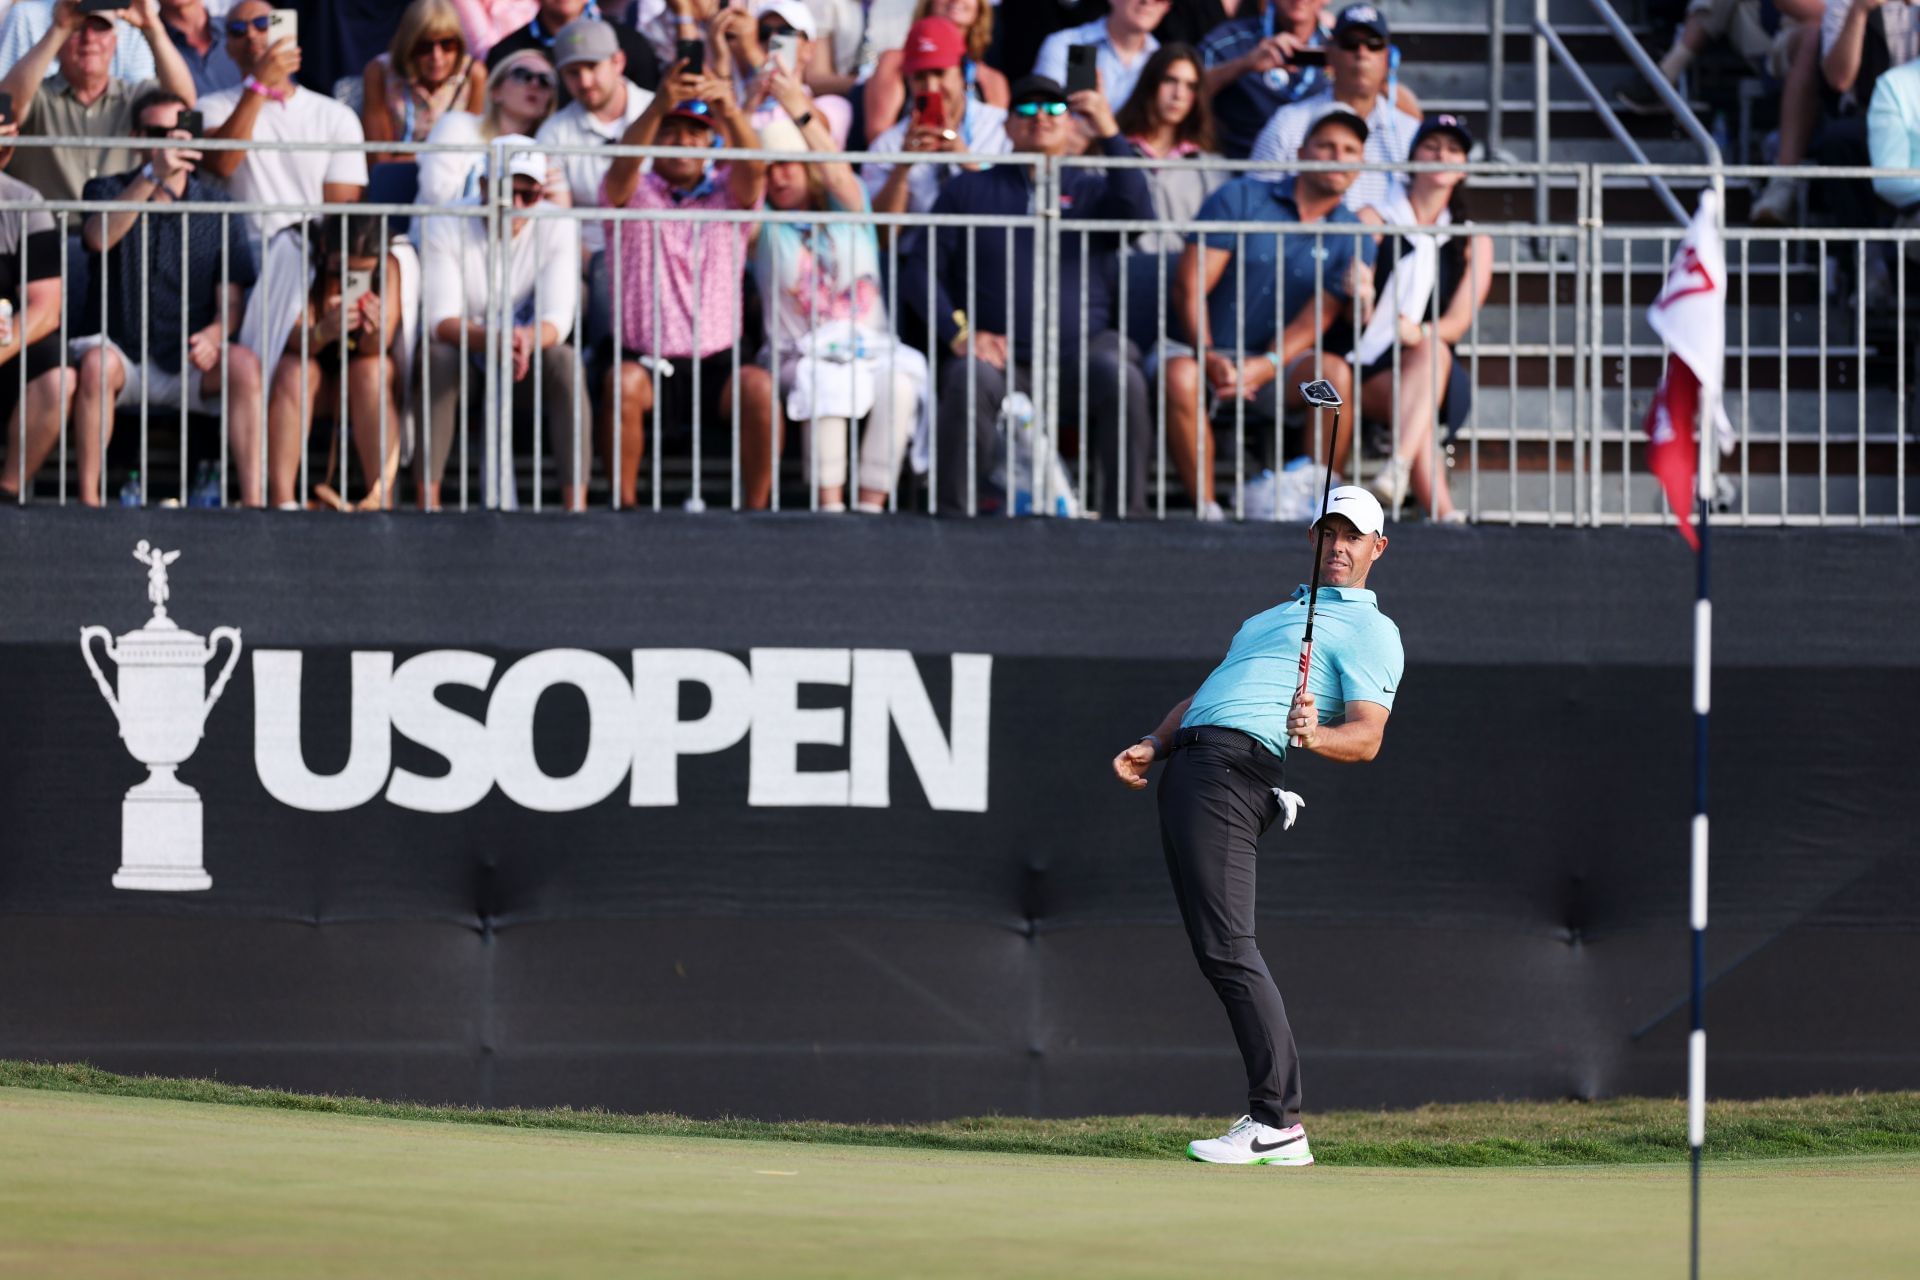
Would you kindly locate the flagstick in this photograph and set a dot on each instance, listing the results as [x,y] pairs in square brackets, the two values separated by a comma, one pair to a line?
[1706,432]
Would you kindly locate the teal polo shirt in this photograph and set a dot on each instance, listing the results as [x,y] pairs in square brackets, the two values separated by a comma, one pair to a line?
[1356,658]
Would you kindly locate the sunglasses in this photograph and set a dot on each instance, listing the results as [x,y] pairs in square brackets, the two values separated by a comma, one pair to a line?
[444,44]
[158,130]
[526,197]
[238,27]
[1032,109]
[768,30]
[527,75]
[1369,40]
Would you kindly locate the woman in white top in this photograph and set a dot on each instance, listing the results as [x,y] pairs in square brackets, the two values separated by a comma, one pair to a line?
[520,96]
[1459,267]
[827,316]
[425,73]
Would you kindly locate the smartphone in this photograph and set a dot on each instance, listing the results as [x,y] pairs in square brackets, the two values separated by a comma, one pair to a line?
[694,54]
[930,112]
[104,6]
[6,108]
[783,49]
[1308,58]
[1081,73]
[359,285]
[283,24]
[191,122]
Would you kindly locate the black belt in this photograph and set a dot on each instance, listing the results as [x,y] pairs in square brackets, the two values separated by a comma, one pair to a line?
[1214,735]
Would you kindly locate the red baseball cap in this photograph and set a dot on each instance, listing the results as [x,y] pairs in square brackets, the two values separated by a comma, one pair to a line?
[934,44]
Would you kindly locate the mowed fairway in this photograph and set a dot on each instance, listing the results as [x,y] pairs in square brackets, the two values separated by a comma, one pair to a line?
[96,1186]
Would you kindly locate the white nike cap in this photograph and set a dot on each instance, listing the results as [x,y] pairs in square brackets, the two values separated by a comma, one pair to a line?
[1357,505]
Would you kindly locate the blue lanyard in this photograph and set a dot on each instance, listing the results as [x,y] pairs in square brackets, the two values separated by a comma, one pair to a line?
[539,32]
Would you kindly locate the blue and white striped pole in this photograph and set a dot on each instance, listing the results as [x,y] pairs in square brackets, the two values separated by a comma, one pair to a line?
[1697,913]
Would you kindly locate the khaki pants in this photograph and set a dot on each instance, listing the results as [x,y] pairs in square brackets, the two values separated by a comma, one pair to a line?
[558,369]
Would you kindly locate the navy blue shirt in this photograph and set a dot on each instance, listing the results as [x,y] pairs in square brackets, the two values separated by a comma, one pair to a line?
[157,298]
[1007,190]
[1241,109]
[1283,273]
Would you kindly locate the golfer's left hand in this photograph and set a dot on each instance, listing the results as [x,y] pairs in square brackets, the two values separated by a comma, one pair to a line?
[1303,721]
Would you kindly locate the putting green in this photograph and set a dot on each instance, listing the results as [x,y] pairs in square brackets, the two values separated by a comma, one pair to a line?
[95,1186]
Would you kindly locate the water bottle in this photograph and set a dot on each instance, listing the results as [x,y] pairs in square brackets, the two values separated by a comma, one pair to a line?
[206,485]
[130,491]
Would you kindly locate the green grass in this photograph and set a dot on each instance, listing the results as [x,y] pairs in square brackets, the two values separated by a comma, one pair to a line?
[95,1185]
[1470,1135]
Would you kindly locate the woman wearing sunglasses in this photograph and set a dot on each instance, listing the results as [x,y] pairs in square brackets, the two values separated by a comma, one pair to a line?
[425,73]
[520,96]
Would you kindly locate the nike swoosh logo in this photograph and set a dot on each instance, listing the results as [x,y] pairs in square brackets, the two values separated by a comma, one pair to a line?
[1261,1148]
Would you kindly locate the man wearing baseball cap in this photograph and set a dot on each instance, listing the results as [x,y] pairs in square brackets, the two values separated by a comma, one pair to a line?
[543,33]
[1223,787]
[940,117]
[1293,319]
[1360,67]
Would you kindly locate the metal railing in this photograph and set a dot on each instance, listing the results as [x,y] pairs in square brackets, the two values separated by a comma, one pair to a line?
[1554,356]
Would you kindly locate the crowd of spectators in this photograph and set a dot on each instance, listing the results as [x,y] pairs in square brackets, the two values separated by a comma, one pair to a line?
[701,327]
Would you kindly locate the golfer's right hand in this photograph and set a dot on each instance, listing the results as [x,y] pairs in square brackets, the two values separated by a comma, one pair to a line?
[1130,766]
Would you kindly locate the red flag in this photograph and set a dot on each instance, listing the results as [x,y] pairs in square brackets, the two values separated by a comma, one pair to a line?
[1672,452]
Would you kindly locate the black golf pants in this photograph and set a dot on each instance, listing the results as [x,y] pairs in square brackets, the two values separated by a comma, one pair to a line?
[1216,799]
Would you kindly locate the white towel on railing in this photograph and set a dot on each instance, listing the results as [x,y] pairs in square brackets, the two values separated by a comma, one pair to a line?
[1408,291]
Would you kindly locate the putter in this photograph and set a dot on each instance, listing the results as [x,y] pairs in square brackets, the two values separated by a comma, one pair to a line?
[1321,395]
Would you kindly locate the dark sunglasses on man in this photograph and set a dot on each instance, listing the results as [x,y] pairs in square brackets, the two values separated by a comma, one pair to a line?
[1371,41]
[527,196]
[238,27]
[1031,109]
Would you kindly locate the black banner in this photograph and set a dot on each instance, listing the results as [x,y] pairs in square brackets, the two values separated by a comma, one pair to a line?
[789,816]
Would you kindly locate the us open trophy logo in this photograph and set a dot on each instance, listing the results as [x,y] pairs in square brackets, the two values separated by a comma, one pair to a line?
[162,708]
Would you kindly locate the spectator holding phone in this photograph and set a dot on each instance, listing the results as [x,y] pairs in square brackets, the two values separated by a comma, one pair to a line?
[269,106]
[355,298]
[194,28]
[425,73]
[887,94]
[134,354]
[838,362]
[542,288]
[775,33]
[540,34]
[983,359]
[1256,65]
[29,254]
[30,20]
[694,283]
[944,119]
[521,92]
[1359,63]
[1121,43]
[85,100]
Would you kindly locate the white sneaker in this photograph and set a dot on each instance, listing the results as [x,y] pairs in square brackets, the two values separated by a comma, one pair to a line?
[1778,204]
[1250,1142]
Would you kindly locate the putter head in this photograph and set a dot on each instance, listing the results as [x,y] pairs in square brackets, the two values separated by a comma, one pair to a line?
[1320,394]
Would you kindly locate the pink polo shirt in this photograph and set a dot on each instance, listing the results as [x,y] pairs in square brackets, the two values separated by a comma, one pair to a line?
[722,251]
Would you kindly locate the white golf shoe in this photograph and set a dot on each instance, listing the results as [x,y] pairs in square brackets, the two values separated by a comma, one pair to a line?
[1250,1142]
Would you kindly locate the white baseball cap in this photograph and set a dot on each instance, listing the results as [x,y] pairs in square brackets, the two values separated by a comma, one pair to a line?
[793,12]
[1357,505]
[525,164]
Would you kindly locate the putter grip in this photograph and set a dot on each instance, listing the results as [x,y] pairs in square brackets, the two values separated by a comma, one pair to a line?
[1306,657]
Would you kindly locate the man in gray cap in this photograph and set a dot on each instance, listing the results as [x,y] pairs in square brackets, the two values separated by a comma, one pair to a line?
[1222,788]
[593,68]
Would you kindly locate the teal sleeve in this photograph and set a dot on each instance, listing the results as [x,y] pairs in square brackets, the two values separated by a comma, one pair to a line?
[1370,671]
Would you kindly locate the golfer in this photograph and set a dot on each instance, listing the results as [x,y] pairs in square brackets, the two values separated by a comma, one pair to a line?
[1221,790]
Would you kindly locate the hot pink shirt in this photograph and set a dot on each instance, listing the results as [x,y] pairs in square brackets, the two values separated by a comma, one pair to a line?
[722,251]
[486,22]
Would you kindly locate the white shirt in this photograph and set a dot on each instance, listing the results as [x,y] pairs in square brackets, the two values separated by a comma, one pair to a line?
[573,125]
[452,177]
[543,271]
[983,130]
[1117,76]
[291,176]
[859,31]
[1898,20]
[1389,141]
